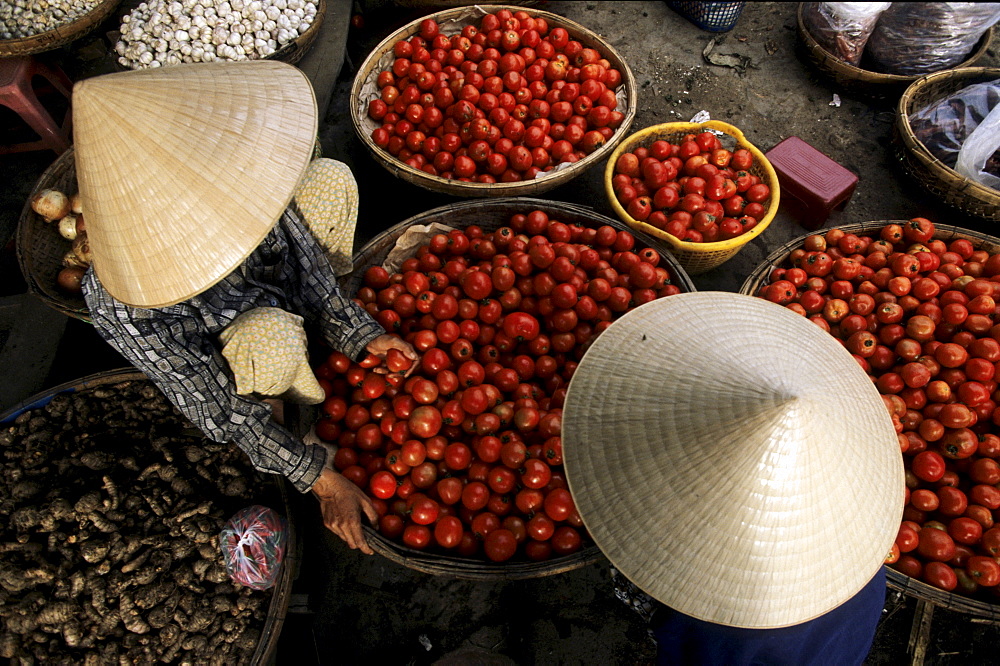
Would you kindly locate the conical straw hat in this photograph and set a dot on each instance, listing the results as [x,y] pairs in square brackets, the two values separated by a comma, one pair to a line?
[183,170]
[732,460]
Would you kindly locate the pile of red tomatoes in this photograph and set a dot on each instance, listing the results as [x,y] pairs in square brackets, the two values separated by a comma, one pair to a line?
[500,102]
[695,190]
[918,314]
[464,455]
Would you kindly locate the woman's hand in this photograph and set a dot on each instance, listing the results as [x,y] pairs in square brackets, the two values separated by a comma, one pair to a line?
[341,503]
[381,345]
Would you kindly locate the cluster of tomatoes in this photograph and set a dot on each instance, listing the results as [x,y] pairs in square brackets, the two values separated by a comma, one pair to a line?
[464,454]
[500,102]
[695,190]
[918,314]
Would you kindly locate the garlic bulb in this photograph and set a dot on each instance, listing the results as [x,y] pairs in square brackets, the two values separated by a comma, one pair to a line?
[51,205]
[67,227]
[70,260]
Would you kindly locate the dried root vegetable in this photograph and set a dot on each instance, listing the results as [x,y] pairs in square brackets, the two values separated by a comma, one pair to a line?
[109,535]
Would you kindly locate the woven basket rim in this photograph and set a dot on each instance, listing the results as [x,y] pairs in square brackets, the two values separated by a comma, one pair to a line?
[637,138]
[60,35]
[553,178]
[936,167]
[867,75]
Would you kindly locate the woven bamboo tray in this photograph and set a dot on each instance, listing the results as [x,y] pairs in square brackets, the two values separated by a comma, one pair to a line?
[490,215]
[277,608]
[989,612]
[59,36]
[39,246]
[696,258]
[865,82]
[364,89]
[928,171]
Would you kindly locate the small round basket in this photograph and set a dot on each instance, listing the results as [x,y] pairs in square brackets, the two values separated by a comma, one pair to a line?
[931,173]
[39,246]
[490,215]
[865,82]
[60,35]
[759,278]
[452,21]
[696,258]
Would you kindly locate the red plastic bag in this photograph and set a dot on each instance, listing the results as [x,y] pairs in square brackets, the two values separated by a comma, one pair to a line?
[253,546]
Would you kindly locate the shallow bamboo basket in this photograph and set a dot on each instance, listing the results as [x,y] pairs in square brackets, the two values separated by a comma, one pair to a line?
[277,607]
[865,82]
[58,36]
[928,171]
[364,90]
[491,215]
[696,258]
[296,49]
[986,611]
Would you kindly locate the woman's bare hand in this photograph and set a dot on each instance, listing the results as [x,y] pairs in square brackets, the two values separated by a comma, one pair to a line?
[341,503]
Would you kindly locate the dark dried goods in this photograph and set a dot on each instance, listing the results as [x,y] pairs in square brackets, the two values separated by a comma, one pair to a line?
[110,510]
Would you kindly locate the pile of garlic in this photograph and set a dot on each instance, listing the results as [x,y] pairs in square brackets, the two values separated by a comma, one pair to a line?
[170,32]
[26,18]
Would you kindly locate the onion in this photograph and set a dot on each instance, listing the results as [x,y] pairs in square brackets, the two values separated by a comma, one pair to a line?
[51,205]
[70,279]
[76,203]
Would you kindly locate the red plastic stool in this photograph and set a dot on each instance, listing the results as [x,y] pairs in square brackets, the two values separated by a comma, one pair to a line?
[17,92]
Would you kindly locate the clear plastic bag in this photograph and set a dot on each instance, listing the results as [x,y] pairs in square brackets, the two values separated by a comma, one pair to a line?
[974,160]
[842,28]
[253,546]
[914,38]
[945,126]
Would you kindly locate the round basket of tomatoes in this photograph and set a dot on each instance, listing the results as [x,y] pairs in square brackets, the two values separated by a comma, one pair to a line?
[492,101]
[916,304]
[463,458]
[701,187]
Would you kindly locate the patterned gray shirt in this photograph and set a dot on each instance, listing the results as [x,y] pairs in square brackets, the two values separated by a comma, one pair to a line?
[177,347]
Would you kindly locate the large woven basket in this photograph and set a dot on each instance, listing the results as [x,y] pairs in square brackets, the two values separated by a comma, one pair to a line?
[928,171]
[277,607]
[40,248]
[986,611]
[866,83]
[365,89]
[696,258]
[490,215]
[59,36]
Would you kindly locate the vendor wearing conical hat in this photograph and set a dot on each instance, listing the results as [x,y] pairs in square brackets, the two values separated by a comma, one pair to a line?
[736,465]
[204,272]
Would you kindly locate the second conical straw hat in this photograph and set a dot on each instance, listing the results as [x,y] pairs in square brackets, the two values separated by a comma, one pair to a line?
[732,460]
[183,170]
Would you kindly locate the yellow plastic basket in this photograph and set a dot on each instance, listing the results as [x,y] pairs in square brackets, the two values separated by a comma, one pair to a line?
[696,258]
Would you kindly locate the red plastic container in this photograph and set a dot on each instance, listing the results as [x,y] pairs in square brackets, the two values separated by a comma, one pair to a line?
[812,184]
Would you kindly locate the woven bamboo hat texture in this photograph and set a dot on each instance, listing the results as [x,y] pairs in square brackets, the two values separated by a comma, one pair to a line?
[732,460]
[183,170]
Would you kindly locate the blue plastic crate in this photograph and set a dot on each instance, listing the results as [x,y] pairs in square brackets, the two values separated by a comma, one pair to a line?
[711,16]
